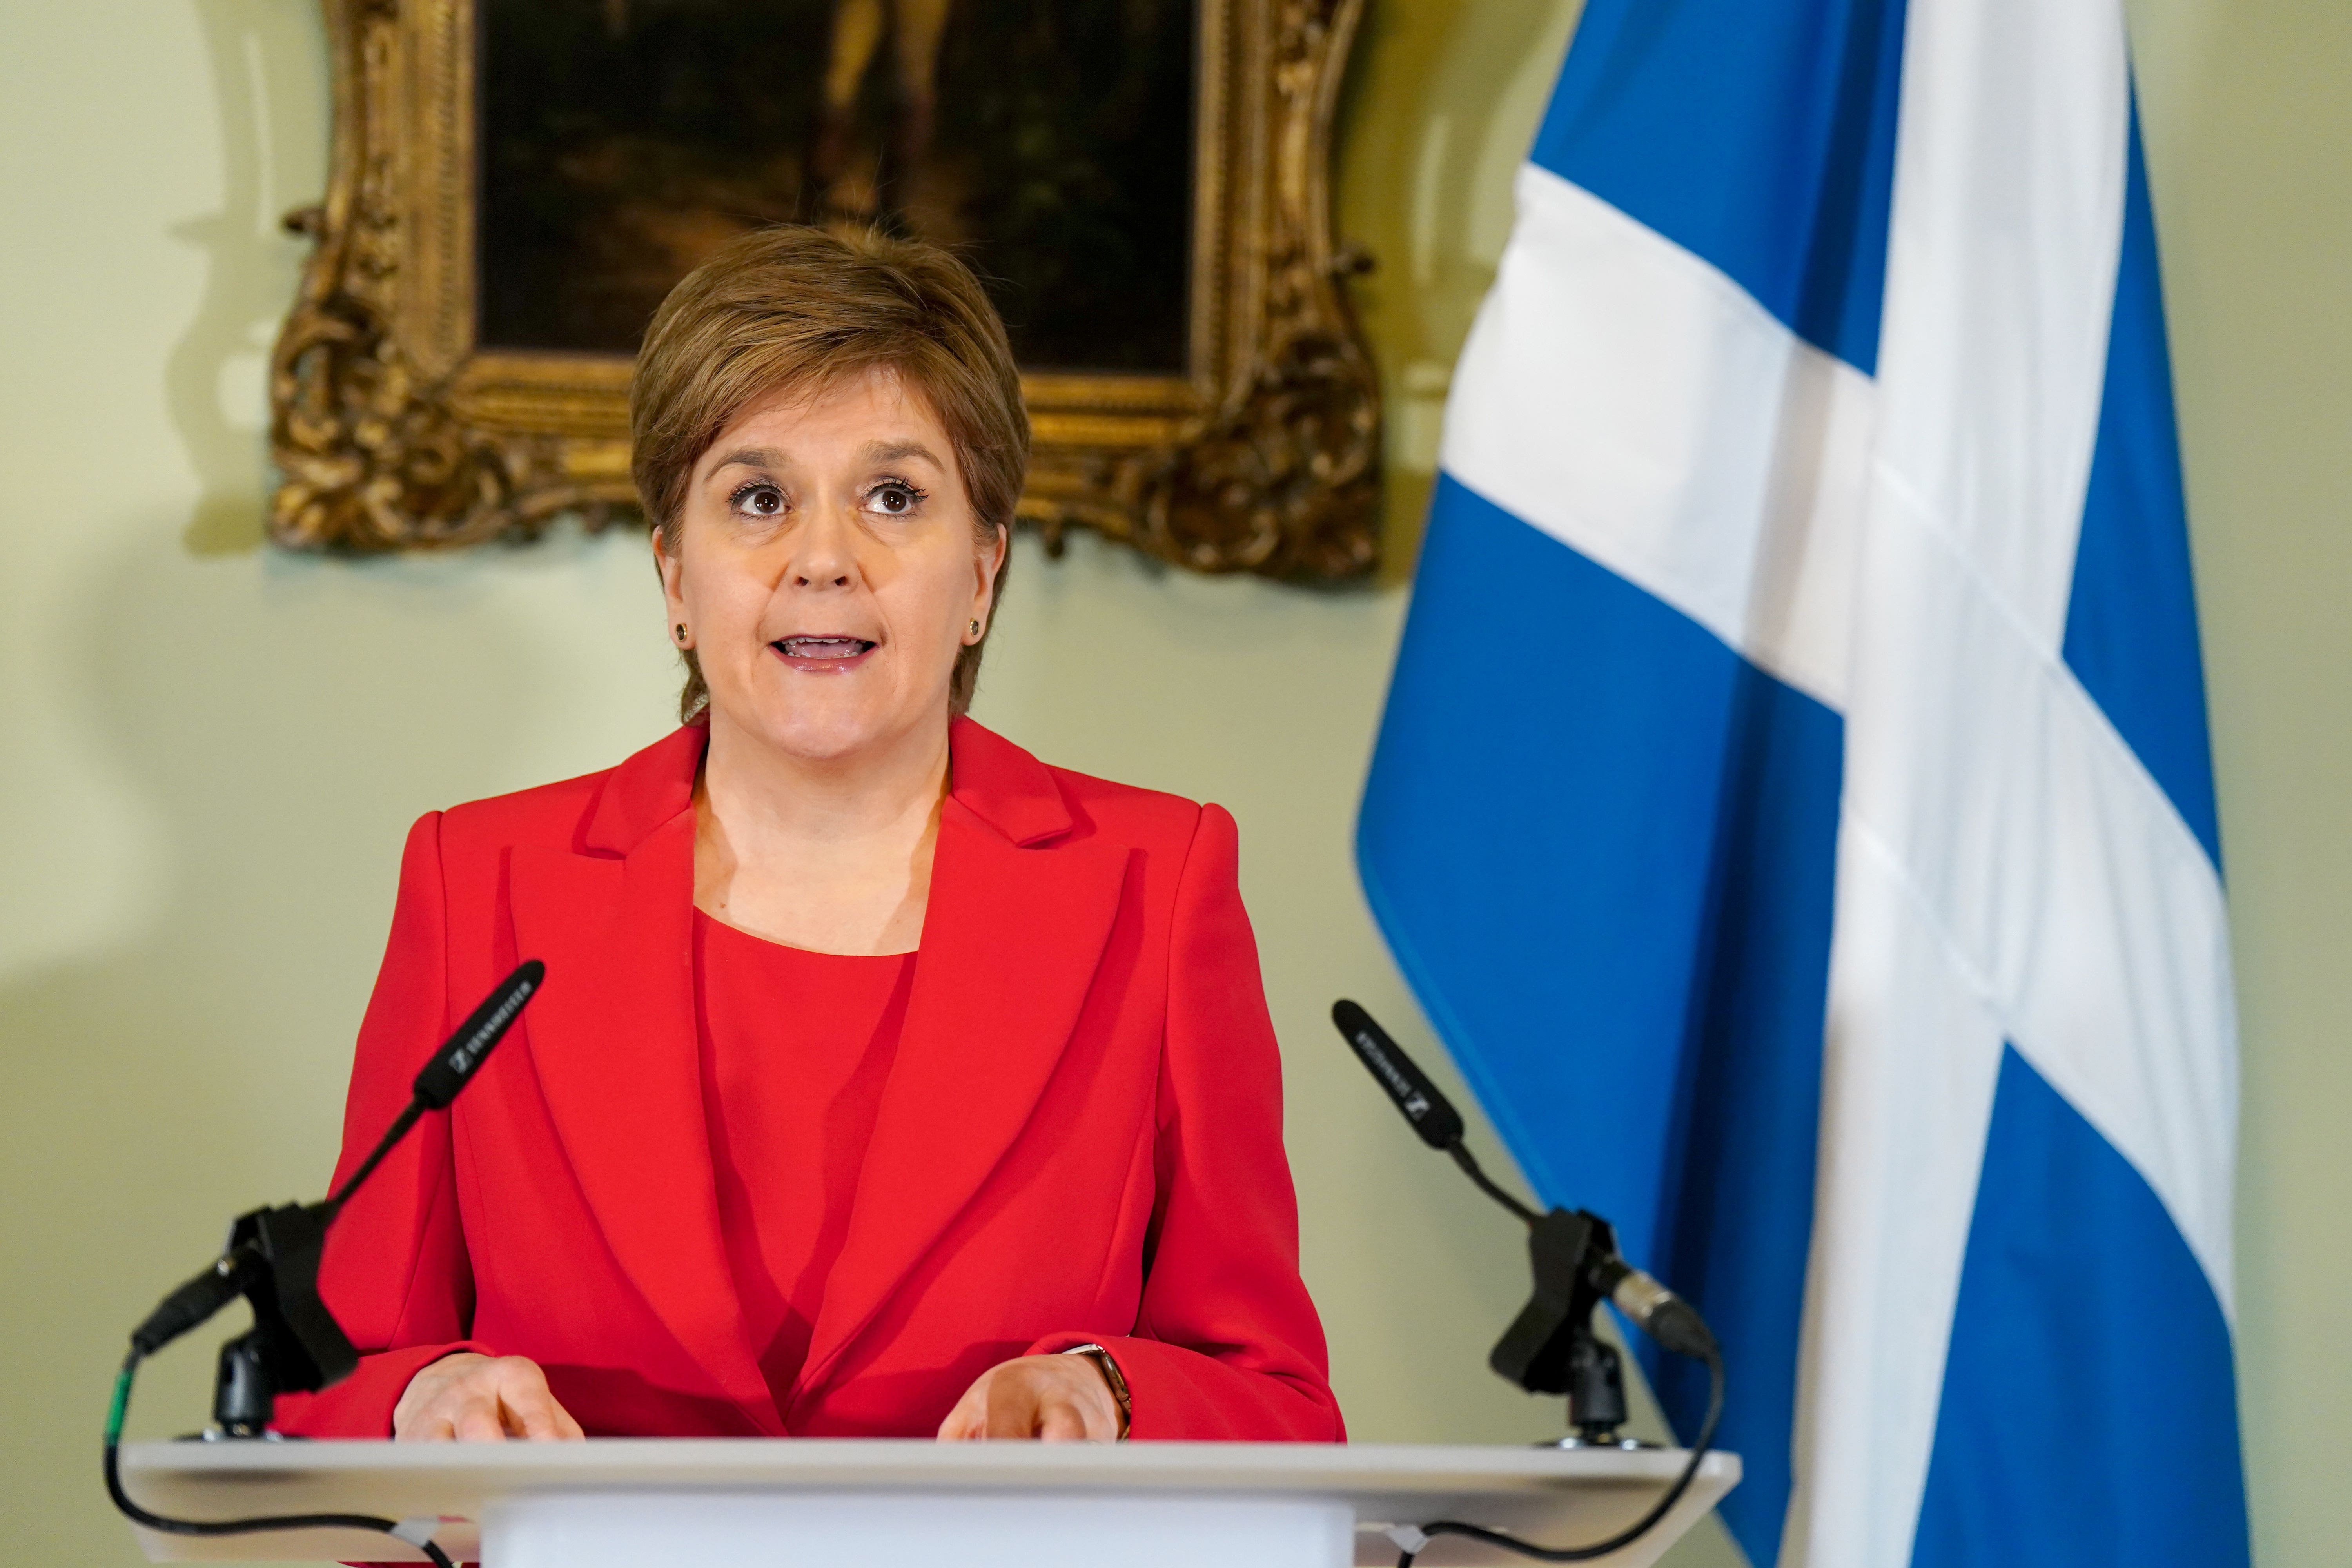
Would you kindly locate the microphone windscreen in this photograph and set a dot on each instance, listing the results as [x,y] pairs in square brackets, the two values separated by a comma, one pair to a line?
[1431,1114]
[455,1061]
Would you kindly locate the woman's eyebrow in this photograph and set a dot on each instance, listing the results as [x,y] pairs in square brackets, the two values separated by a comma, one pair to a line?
[898,451]
[750,458]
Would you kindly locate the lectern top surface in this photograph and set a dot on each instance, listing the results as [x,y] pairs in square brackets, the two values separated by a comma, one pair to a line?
[484,1468]
[1538,1491]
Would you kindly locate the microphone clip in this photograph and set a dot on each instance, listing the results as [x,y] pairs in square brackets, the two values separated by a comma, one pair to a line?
[1550,1347]
[295,1345]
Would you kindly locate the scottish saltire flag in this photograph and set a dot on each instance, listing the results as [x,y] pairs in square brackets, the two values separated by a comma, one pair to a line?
[1793,805]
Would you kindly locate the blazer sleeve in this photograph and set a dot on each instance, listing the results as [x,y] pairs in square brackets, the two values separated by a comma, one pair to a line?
[396,1273]
[1227,1344]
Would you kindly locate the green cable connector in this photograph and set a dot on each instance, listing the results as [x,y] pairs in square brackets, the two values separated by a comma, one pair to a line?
[122,1403]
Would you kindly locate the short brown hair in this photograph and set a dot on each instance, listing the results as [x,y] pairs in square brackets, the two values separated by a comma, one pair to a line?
[799,310]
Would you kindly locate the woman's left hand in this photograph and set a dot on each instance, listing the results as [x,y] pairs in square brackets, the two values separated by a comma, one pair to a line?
[1056,1398]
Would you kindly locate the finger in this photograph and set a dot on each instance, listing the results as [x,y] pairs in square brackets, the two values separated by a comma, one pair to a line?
[532,1419]
[425,1427]
[1011,1409]
[1061,1422]
[969,1419]
[534,1414]
[525,1406]
[476,1421]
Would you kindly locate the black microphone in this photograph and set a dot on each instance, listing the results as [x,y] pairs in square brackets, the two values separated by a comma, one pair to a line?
[455,1061]
[192,1303]
[1431,1114]
[246,1268]
[272,1260]
[1656,1310]
[1550,1347]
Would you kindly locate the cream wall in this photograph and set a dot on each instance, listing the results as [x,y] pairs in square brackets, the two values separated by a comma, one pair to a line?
[208,752]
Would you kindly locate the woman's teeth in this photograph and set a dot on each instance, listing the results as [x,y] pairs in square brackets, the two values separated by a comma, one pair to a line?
[822,648]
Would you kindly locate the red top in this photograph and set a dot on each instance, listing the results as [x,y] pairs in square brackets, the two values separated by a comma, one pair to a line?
[1079,1139]
[795,1048]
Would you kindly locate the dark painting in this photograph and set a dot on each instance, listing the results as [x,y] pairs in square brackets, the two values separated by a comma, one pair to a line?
[1048,141]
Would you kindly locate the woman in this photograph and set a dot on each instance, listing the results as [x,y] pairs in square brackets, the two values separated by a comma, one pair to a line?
[886,1082]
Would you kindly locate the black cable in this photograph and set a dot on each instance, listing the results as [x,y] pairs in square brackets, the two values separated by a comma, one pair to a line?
[1470,1168]
[228,1526]
[1624,1537]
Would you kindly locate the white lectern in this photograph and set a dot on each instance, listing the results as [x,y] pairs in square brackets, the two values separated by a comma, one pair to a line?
[695,1503]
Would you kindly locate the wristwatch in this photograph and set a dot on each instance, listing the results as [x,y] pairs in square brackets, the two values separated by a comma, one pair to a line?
[1115,1378]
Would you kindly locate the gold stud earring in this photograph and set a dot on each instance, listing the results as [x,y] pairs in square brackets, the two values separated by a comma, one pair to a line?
[681,634]
[975,629]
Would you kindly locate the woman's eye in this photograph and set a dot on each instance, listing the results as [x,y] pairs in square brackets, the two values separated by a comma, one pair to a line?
[893,500]
[760,500]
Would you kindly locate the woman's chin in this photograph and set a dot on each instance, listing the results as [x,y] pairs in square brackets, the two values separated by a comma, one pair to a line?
[826,731]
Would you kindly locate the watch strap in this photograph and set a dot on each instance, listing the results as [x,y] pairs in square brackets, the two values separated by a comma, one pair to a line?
[1109,1366]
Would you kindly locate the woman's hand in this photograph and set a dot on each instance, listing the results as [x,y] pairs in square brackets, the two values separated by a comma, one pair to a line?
[1057,1398]
[470,1398]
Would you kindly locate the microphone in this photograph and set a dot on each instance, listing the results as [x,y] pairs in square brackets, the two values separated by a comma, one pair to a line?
[1656,1310]
[272,1260]
[1431,1114]
[456,1061]
[1550,1347]
[452,1067]
[267,1239]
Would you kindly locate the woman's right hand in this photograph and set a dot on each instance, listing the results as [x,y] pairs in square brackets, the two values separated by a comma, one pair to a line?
[470,1399]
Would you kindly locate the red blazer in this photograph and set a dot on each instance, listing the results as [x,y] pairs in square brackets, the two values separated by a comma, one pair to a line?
[1081,1139]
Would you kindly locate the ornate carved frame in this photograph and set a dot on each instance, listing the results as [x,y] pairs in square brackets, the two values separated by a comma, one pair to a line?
[392,430]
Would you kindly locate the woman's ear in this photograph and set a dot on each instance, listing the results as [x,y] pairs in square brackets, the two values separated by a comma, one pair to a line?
[990,563]
[669,568]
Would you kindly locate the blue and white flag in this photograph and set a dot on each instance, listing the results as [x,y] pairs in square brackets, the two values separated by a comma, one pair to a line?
[1793,807]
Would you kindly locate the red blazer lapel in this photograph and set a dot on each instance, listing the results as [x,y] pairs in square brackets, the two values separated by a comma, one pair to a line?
[1015,929]
[613,1040]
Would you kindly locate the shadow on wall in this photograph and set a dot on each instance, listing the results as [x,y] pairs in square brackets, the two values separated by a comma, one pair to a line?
[268,61]
[275,724]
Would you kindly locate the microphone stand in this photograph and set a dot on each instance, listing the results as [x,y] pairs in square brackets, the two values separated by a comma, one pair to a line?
[295,1345]
[1550,1347]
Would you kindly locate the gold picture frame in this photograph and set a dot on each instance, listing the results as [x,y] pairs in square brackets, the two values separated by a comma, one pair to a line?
[394,430]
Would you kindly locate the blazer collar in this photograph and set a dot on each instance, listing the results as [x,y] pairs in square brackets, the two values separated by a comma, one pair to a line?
[996,781]
[646,791]
[1004,786]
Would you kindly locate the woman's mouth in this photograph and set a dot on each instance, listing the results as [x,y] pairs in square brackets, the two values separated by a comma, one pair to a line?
[820,653]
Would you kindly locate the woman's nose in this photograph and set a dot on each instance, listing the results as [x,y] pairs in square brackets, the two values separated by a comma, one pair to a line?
[824,553]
